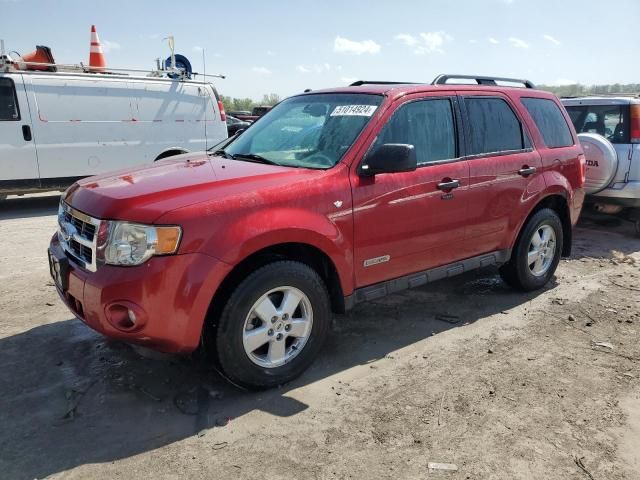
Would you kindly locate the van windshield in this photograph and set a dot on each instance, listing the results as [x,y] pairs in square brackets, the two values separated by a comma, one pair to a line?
[310,131]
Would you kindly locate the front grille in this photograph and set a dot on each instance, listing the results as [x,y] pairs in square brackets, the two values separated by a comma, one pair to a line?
[77,235]
[85,229]
[80,251]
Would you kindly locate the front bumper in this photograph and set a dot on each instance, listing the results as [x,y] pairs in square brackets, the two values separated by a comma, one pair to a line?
[170,295]
[627,195]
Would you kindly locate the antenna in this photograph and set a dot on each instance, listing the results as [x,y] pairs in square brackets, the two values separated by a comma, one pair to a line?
[206,99]
[172,44]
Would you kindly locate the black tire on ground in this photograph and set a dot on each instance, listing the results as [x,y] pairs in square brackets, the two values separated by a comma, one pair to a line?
[232,358]
[517,272]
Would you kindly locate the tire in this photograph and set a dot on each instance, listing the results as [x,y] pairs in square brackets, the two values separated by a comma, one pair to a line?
[525,276]
[286,355]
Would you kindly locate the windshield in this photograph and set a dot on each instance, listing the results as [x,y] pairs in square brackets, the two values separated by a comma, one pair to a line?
[311,131]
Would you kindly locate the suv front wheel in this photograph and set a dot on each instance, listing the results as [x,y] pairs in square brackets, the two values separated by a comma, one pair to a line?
[273,325]
[536,255]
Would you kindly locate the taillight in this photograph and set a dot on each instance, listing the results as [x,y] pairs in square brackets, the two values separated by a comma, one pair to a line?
[635,124]
[223,115]
[583,168]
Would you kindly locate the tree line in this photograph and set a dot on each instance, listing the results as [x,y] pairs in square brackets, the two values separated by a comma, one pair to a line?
[247,104]
[578,89]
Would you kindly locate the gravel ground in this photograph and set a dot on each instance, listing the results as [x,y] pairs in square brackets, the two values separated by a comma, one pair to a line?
[502,384]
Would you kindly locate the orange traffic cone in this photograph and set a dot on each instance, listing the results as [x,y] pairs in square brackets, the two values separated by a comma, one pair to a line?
[96,57]
[41,54]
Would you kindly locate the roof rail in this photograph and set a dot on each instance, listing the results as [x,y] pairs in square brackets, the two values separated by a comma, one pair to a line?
[480,80]
[359,83]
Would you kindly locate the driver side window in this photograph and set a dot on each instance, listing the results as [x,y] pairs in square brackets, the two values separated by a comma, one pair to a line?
[428,125]
[8,101]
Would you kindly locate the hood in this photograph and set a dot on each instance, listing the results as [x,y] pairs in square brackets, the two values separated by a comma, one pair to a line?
[145,193]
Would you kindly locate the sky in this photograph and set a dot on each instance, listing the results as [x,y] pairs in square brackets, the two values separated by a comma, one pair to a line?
[287,46]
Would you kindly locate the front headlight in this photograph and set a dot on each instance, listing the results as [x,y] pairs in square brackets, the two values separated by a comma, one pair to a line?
[133,244]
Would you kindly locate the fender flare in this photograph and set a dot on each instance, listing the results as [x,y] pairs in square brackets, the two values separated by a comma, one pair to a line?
[270,229]
[553,191]
[163,154]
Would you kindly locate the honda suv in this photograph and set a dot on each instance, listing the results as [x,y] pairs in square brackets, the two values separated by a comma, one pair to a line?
[334,197]
[608,127]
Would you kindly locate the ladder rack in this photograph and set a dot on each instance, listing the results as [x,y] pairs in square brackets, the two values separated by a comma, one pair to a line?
[9,65]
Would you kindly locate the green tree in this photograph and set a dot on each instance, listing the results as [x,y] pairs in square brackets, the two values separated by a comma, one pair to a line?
[270,99]
[578,89]
[232,104]
[235,104]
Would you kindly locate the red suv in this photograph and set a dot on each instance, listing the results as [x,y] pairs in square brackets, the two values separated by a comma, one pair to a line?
[334,197]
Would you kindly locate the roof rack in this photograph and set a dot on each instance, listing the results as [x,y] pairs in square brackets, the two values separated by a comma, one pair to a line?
[7,65]
[359,83]
[480,80]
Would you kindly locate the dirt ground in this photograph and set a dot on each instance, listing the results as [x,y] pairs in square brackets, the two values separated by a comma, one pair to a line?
[502,384]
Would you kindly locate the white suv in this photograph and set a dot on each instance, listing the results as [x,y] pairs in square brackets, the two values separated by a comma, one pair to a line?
[609,130]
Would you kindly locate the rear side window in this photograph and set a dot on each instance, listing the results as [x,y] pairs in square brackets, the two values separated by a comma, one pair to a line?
[550,121]
[9,110]
[493,126]
[610,121]
[427,125]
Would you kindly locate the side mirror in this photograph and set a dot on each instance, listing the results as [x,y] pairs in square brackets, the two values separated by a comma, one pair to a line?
[389,158]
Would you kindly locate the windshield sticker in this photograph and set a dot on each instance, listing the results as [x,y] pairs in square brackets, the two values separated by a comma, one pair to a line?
[354,110]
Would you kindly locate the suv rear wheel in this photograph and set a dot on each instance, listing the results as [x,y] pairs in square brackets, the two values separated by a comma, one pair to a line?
[536,255]
[273,325]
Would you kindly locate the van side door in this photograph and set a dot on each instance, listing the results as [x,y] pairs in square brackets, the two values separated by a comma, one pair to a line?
[412,221]
[504,171]
[18,159]
[83,126]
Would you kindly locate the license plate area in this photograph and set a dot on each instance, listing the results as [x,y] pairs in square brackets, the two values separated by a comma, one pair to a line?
[59,270]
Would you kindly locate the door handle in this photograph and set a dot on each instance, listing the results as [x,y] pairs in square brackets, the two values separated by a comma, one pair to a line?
[449,185]
[526,171]
[26,133]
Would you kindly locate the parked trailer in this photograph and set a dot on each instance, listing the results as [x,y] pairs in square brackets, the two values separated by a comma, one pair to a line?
[57,127]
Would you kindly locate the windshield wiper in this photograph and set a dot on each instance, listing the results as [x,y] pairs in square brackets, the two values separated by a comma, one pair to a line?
[222,152]
[254,157]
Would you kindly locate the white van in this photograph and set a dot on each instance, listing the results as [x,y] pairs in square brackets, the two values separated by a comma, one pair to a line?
[57,127]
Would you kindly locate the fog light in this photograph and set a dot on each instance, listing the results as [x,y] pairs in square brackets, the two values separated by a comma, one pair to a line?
[132,317]
[125,316]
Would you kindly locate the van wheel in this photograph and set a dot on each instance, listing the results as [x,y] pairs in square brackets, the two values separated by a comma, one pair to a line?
[273,325]
[536,255]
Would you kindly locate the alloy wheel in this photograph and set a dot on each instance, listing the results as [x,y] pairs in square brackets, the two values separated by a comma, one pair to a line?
[277,327]
[542,250]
